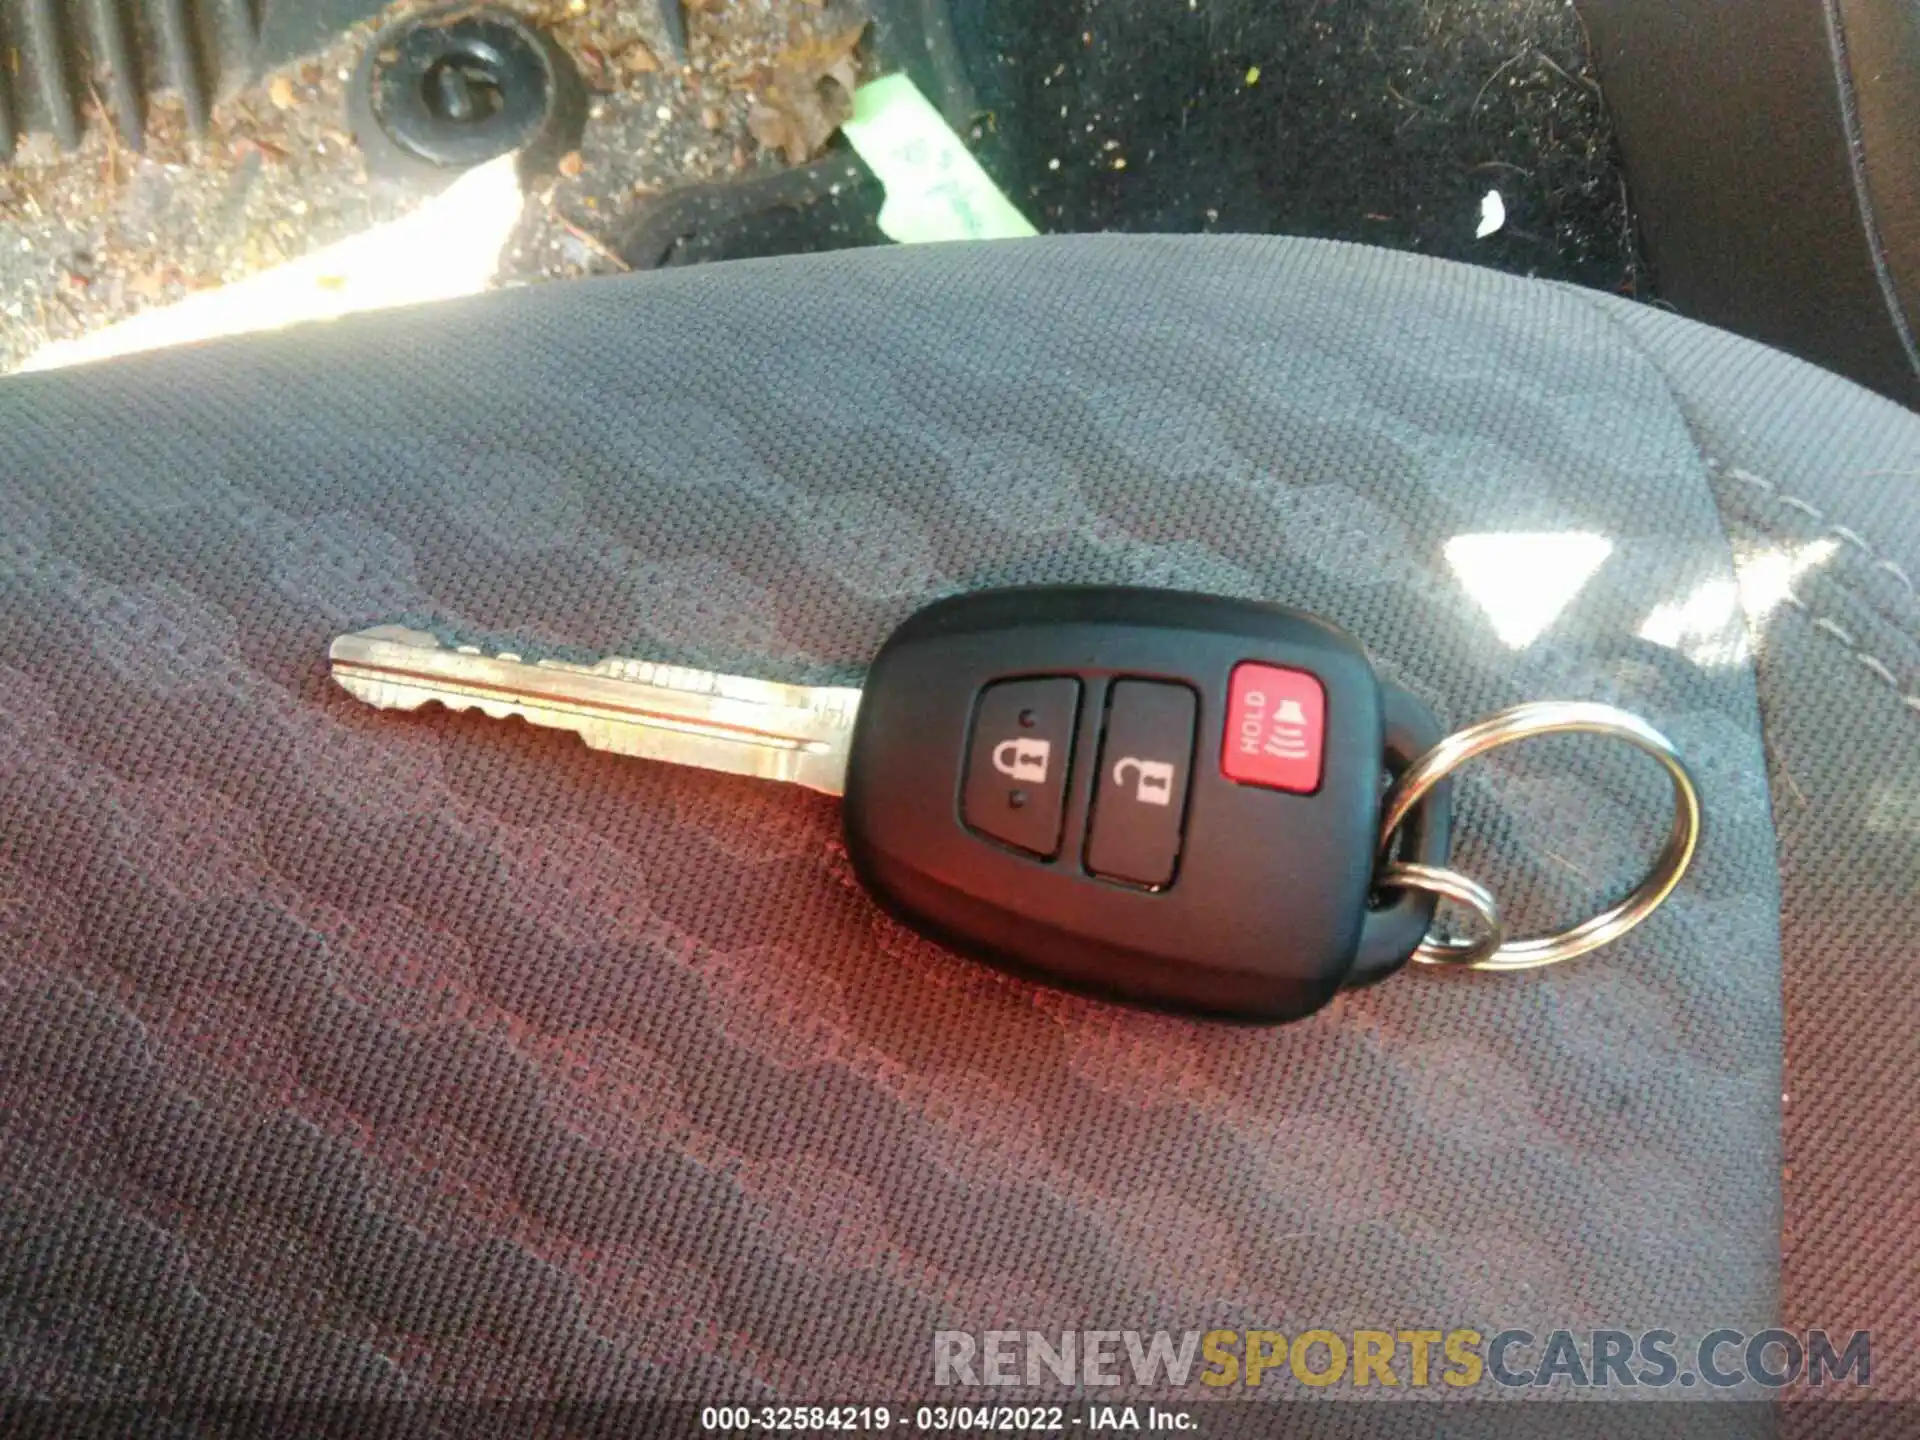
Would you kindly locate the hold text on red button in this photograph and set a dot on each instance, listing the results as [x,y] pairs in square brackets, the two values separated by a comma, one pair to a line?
[1276,726]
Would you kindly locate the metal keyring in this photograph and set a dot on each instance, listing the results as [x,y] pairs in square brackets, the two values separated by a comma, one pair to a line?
[1451,885]
[1523,722]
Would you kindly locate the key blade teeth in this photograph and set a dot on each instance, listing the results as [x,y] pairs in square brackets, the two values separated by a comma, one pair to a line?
[778,731]
[382,694]
[385,694]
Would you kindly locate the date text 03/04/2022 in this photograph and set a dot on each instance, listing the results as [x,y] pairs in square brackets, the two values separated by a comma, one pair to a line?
[939,1419]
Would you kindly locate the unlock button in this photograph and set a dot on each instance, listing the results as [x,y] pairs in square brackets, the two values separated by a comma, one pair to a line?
[1141,798]
[1016,782]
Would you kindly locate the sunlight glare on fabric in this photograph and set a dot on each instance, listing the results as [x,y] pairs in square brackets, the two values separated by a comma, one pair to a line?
[449,246]
[1711,626]
[1707,627]
[1766,578]
[1524,579]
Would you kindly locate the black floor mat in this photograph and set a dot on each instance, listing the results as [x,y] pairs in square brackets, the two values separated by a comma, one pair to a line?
[1380,121]
[1383,121]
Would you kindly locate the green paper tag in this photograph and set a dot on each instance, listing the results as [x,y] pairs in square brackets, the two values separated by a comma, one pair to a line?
[936,190]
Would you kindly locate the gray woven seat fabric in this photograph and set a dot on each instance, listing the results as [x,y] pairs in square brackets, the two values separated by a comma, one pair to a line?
[345,1053]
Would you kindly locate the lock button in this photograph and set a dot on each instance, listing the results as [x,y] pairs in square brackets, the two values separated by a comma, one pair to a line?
[1016,782]
[1140,800]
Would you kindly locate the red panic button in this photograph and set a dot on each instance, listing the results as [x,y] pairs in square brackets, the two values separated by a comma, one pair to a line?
[1276,726]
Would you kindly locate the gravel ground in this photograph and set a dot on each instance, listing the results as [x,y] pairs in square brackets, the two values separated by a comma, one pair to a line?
[95,236]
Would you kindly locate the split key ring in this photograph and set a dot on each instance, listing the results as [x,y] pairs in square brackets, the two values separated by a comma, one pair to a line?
[1491,950]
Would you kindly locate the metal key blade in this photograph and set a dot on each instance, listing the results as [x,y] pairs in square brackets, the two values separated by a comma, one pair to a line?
[798,733]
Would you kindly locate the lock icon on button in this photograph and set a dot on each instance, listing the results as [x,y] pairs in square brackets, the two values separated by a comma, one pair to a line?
[1023,759]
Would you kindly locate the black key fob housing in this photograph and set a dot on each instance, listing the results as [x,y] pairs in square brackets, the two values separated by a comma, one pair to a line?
[1163,797]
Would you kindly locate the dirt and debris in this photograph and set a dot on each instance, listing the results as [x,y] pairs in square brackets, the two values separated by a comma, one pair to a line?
[102,233]
[653,126]
[807,94]
[1382,121]
[95,236]
[1378,121]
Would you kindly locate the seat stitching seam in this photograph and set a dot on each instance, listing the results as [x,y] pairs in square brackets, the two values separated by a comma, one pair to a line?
[1873,664]
[1848,537]
[1826,624]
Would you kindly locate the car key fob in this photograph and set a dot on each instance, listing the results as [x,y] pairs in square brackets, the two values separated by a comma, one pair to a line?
[1168,798]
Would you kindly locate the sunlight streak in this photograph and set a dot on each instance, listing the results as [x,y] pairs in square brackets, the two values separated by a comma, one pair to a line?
[1713,625]
[448,247]
[1524,579]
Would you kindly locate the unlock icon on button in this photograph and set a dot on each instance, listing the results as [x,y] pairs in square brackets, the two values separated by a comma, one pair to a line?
[1155,783]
